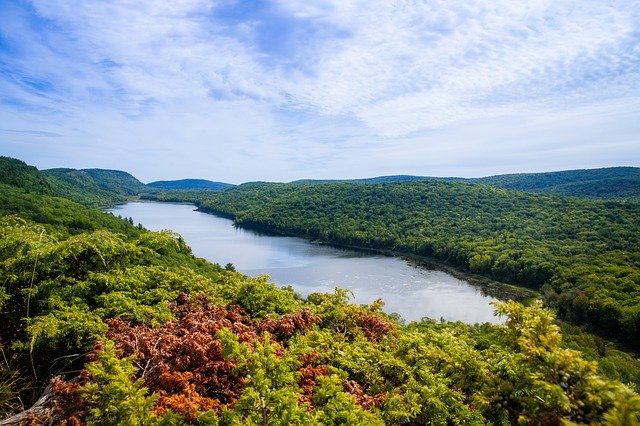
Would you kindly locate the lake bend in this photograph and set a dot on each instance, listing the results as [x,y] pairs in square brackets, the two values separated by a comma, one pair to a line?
[408,289]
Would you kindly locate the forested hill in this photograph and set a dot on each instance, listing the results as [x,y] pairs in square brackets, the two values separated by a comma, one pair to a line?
[584,255]
[612,182]
[17,173]
[604,183]
[378,179]
[189,184]
[117,325]
[94,187]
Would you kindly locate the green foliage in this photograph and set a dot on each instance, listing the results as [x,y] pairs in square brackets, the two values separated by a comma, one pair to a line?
[94,187]
[18,174]
[270,393]
[337,407]
[260,298]
[608,183]
[553,382]
[114,396]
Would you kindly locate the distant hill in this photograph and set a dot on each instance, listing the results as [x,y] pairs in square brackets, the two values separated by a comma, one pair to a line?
[378,179]
[94,187]
[19,174]
[189,184]
[610,182]
[606,183]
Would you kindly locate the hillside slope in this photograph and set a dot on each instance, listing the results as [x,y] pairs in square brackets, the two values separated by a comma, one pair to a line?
[608,183]
[94,187]
[17,173]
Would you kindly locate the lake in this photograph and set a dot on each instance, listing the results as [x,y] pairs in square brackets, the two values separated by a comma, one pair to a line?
[410,290]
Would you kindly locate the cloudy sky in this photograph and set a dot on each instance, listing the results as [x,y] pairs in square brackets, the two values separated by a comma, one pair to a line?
[282,89]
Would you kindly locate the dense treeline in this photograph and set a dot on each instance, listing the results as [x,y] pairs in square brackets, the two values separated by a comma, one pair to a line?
[608,183]
[605,183]
[135,330]
[19,174]
[583,255]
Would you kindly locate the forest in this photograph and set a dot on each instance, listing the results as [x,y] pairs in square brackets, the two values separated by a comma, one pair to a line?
[620,183]
[108,323]
[582,255]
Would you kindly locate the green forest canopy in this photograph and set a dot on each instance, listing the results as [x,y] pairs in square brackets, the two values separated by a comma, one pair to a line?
[94,187]
[604,183]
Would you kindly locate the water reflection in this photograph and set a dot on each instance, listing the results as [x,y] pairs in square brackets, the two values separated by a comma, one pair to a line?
[410,290]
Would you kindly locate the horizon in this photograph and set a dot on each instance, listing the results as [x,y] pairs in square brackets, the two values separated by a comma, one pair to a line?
[281,91]
[330,179]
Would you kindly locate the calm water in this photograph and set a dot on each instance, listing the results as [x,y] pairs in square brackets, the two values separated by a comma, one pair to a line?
[410,290]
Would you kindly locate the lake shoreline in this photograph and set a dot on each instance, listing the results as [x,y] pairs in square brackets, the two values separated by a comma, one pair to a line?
[490,287]
[411,287]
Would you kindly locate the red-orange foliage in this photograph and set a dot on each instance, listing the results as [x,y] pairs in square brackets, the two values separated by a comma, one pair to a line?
[182,360]
[286,325]
[373,327]
[362,399]
[309,373]
[68,406]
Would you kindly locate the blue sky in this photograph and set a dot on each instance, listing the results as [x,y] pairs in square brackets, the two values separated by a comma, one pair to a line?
[281,90]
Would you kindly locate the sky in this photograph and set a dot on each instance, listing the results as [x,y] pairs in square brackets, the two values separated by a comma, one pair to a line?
[279,90]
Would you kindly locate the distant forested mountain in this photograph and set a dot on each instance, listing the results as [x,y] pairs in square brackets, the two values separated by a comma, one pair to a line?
[191,184]
[606,183]
[611,182]
[378,179]
[94,187]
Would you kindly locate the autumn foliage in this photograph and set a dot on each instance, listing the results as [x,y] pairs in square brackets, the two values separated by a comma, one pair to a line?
[182,360]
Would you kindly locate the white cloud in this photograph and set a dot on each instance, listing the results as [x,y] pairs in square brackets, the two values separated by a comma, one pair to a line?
[353,88]
[412,66]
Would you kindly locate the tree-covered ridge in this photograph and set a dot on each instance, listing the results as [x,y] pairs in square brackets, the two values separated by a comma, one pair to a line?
[90,187]
[377,179]
[611,182]
[583,254]
[189,184]
[94,187]
[605,183]
[17,173]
